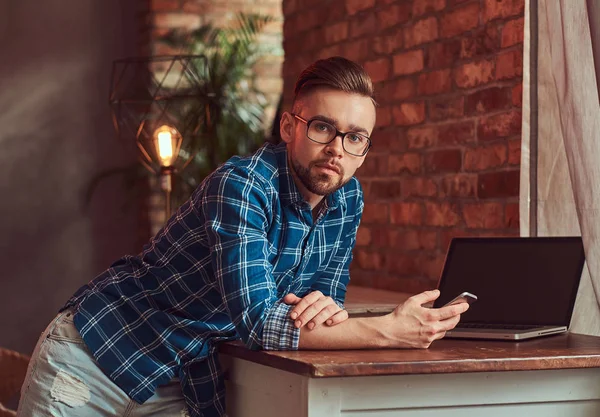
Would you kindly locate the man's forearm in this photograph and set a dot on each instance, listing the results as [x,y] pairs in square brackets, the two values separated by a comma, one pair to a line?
[354,333]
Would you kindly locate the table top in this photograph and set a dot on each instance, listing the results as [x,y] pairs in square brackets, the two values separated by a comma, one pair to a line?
[444,356]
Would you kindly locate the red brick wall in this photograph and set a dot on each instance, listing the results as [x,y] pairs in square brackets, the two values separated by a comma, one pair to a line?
[446,153]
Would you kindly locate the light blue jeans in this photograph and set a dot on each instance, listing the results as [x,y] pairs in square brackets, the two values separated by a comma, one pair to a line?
[63,379]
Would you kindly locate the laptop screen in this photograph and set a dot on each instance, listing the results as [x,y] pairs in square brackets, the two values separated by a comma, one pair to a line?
[516,280]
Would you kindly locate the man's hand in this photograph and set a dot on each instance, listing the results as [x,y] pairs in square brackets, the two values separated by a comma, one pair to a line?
[314,309]
[415,326]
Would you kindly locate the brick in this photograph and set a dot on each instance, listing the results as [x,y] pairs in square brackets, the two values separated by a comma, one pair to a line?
[363,236]
[379,70]
[447,160]
[363,25]
[456,133]
[363,278]
[329,51]
[384,116]
[389,140]
[436,82]
[402,89]
[410,239]
[406,213]
[494,9]
[177,21]
[483,41]
[447,235]
[369,260]
[380,236]
[459,186]
[386,44]
[376,213]
[499,126]
[394,15]
[375,165]
[385,189]
[357,50]
[513,32]
[165,5]
[486,157]
[355,6]
[509,65]
[432,268]
[484,215]
[407,114]
[498,184]
[408,62]
[446,108]
[474,74]
[459,20]
[422,137]
[514,152]
[405,163]
[290,6]
[488,100]
[403,265]
[308,19]
[422,7]
[517,95]
[443,54]
[419,187]
[336,33]
[441,214]
[161,49]
[512,216]
[422,31]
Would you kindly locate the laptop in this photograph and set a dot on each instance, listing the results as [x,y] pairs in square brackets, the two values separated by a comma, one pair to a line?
[526,286]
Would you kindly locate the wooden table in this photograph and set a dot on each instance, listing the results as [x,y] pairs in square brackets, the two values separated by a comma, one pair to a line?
[553,376]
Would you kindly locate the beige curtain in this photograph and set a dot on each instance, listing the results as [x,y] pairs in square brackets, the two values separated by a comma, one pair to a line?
[560,160]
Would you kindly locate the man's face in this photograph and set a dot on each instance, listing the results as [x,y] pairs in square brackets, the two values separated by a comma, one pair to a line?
[319,169]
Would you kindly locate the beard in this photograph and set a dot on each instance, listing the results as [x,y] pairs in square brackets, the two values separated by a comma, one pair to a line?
[319,184]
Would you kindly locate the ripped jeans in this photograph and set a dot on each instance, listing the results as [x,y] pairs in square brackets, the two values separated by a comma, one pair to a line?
[63,379]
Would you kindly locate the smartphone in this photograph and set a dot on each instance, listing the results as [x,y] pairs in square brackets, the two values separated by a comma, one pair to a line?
[465,297]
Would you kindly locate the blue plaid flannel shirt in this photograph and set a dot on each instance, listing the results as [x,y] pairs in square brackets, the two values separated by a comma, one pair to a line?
[217,271]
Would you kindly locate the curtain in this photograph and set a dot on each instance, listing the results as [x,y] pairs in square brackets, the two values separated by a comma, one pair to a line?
[560,157]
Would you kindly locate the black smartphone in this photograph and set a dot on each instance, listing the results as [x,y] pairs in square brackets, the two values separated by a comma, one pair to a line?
[465,297]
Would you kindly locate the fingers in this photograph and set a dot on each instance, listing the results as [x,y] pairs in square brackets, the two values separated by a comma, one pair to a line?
[337,318]
[317,312]
[450,323]
[425,297]
[304,303]
[325,314]
[447,312]
[291,299]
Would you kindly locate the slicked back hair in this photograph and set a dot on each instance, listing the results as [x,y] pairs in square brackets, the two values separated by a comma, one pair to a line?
[337,73]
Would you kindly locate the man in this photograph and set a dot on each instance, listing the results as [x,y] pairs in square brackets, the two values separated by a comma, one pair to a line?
[260,253]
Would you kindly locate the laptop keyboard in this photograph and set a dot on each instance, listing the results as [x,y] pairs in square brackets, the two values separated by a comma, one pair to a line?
[496,326]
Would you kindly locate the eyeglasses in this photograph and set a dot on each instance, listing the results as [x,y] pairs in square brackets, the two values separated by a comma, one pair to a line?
[322,132]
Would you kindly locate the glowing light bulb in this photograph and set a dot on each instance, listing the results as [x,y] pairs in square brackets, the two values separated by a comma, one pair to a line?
[167,140]
[165,147]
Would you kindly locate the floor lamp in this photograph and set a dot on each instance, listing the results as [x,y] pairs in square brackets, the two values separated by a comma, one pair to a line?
[159,102]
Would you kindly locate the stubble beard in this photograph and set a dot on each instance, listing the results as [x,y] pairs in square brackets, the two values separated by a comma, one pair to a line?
[319,184]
